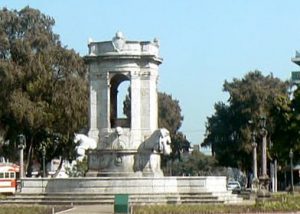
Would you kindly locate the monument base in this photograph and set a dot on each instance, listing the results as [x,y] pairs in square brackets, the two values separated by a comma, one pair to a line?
[177,187]
[263,192]
[123,163]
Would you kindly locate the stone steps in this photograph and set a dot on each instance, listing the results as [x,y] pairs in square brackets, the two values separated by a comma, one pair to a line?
[93,198]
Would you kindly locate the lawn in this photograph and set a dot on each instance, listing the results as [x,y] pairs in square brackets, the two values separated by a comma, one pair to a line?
[30,209]
[278,203]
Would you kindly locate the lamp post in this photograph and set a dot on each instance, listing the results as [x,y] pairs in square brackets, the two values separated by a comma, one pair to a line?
[291,155]
[21,147]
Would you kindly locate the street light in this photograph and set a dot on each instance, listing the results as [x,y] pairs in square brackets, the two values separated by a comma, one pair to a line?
[21,146]
[291,155]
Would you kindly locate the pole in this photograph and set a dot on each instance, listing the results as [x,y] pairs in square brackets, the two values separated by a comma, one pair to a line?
[272,174]
[44,162]
[275,175]
[254,160]
[291,154]
[21,162]
[264,153]
[21,147]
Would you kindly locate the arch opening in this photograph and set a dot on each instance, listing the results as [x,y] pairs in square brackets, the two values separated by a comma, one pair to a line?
[118,91]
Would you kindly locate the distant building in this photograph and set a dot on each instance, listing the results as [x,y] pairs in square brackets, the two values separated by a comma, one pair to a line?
[206,150]
[196,147]
[295,75]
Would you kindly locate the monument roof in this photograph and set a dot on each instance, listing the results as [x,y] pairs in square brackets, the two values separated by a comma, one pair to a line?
[296,59]
[119,47]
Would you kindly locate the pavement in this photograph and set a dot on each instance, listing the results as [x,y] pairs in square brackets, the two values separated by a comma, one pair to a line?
[89,209]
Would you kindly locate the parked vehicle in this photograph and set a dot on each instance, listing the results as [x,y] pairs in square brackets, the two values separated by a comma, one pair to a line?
[9,173]
[234,186]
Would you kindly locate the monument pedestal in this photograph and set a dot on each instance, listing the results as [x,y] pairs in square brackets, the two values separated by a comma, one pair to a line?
[263,192]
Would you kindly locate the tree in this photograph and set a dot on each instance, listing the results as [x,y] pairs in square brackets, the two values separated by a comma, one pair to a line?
[43,86]
[286,136]
[195,164]
[229,131]
[169,113]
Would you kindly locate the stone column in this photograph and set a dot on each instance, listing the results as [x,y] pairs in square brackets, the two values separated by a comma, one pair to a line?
[263,178]
[135,109]
[104,104]
[255,181]
[153,101]
[264,153]
[94,91]
[254,146]
[275,175]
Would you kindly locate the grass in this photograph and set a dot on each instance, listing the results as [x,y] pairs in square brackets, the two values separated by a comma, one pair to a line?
[30,209]
[278,203]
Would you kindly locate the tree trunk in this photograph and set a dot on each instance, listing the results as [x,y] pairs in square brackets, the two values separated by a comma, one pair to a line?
[59,167]
[29,160]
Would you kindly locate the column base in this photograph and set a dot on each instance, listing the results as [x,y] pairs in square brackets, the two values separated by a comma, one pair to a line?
[263,191]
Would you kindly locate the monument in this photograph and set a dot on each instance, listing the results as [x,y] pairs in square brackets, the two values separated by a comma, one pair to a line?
[126,159]
[125,146]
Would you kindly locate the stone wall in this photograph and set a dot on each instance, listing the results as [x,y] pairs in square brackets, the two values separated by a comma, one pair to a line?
[129,185]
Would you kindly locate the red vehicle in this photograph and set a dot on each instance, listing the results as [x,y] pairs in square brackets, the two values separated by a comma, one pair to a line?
[9,173]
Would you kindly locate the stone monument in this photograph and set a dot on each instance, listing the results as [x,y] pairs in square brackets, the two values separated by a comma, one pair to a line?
[126,159]
[131,146]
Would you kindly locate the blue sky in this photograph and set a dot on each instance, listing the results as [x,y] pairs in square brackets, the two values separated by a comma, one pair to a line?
[203,43]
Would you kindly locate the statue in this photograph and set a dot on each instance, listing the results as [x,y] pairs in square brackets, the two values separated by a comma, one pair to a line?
[83,143]
[147,159]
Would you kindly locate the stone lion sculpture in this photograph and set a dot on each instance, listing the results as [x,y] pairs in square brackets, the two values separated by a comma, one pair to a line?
[147,161]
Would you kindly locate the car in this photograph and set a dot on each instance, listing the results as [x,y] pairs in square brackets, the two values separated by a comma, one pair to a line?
[234,186]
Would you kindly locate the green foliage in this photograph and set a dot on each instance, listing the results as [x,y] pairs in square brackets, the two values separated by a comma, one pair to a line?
[169,117]
[179,145]
[169,113]
[228,131]
[195,164]
[289,123]
[79,169]
[43,86]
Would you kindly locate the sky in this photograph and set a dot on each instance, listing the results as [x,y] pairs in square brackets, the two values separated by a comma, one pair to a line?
[202,43]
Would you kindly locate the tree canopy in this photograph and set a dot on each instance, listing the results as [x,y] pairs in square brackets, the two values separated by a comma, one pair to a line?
[228,131]
[169,113]
[43,86]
